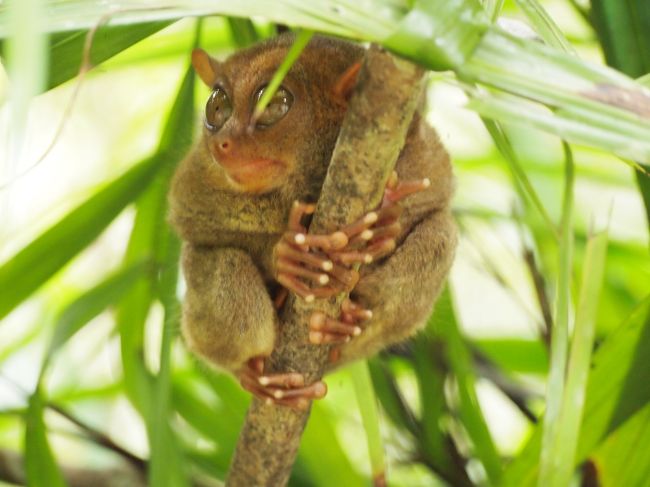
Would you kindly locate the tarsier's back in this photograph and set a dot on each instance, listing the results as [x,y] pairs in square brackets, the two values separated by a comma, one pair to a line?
[241,198]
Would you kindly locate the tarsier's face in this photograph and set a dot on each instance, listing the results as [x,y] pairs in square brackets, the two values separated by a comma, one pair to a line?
[258,154]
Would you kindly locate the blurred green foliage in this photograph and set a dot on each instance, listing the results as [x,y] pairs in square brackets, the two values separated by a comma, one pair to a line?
[438,426]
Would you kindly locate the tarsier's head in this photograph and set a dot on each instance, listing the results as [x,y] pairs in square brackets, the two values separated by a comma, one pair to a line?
[299,125]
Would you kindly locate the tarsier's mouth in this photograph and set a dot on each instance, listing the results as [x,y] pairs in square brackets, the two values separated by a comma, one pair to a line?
[253,169]
[253,175]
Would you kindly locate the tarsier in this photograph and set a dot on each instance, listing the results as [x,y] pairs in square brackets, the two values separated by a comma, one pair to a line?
[240,202]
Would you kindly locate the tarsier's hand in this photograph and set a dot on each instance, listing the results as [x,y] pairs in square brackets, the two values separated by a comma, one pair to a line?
[301,264]
[284,389]
[373,236]
[370,238]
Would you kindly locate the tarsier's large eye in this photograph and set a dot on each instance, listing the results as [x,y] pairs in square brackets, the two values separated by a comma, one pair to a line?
[277,107]
[218,109]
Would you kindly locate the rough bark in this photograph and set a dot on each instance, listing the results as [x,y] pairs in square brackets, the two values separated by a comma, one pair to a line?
[369,143]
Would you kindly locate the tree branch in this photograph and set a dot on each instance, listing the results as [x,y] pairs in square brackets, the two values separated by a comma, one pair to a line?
[371,137]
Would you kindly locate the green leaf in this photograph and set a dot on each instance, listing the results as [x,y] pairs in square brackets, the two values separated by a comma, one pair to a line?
[148,237]
[544,25]
[152,237]
[31,267]
[431,363]
[624,32]
[440,35]
[67,48]
[516,355]
[444,34]
[571,409]
[89,305]
[555,388]
[40,465]
[216,412]
[616,391]
[321,462]
[25,61]
[461,366]
[522,182]
[390,397]
[624,458]
[243,31]
[297,47]
[367,402]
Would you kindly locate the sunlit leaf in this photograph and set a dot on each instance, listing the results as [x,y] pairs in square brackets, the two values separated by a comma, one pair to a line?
[67,48]
[571,410]
[90,304]
[547,29]
[556,382]
[30,268]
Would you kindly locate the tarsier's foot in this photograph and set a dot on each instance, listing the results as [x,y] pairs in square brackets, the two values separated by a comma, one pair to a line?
[323,329]
[301,264]
[287,389]
[373,236]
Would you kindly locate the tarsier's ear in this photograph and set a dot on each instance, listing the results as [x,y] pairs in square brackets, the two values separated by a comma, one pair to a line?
[205,66]
[345,84]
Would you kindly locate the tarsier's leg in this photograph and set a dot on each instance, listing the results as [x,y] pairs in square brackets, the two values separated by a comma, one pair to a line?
[229,319]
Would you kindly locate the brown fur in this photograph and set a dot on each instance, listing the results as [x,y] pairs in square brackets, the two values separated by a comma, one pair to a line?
[229,234]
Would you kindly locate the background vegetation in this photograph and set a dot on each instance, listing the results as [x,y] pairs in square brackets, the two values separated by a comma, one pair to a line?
[548,304]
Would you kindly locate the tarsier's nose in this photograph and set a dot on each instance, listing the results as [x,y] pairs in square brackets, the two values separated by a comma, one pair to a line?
[223,146]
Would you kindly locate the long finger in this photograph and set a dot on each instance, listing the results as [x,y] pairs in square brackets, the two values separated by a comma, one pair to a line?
[334,241]
[404,189]
[355,311]
[382,248]
[320,322]
[290,379]
[388,231]
[288,251]
[308,294]
[322,338]
[352,257]
[287,266]
[359,226]
[297,403]
[298,210]
[297,286]
[316,390]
